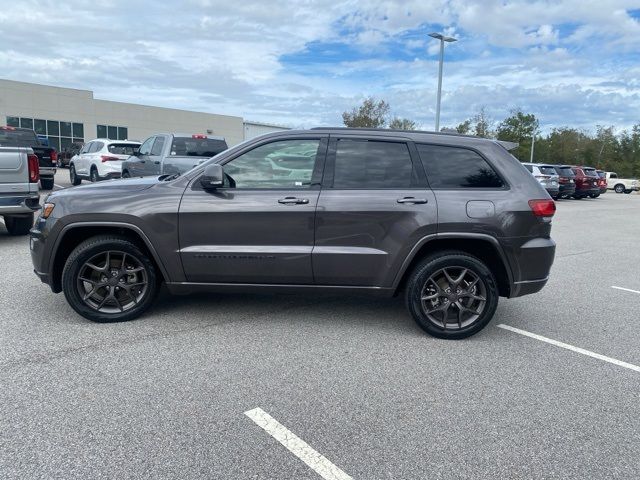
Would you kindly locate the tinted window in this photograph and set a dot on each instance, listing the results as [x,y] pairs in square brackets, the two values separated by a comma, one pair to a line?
[145,149]
[18,138]
[121,148]
[157,146]
[197,147]
[548,170]
[529,167]
[53,128]
[86,147]
[102,131]
[286,164]
[590,172]
[112,132]
[452,167]
[96,147]
[65,129]
[122,133]
[13,121]
[565,171]
[613,175]
[78,130]
[372,164]
[26,122]
[40,126]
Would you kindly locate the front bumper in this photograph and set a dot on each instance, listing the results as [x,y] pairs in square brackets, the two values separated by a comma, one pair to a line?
[19,204]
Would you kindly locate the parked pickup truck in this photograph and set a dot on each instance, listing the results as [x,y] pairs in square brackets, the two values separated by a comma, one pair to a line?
[19,198]
[621,185]
[47,156]
[171,153]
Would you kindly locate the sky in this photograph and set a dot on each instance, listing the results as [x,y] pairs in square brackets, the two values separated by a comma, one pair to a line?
[302,63]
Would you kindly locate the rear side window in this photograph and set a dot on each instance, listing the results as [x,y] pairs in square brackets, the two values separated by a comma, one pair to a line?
[372,164]
[453,167]
[121,148]
[197,147]
[529,167]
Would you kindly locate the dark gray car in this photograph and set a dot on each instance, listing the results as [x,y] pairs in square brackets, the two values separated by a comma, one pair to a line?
[453,222]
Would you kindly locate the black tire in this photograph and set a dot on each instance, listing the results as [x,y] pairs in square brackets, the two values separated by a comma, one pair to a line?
[593,195]
[18,225]
[619,188]
[75,289]
[46,183]
[93,176]
[126,174]
[485,288]
[73,176]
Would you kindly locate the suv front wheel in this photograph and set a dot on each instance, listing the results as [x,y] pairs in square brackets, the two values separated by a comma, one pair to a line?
[452,295]
[109,279]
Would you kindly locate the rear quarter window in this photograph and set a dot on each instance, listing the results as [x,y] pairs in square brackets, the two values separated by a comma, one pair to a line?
[456,167]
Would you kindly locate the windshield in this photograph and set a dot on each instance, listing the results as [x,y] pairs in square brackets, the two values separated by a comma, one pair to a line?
[18,138]
[122,148]
[197,147]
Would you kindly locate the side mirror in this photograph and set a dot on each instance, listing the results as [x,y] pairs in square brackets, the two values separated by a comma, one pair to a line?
[213,177]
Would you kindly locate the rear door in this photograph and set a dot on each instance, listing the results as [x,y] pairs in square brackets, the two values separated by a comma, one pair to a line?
[259,227]
[374,206]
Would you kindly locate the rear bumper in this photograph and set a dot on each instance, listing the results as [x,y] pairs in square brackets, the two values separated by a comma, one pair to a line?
[47,171]
[530,264]
[19,204]
[584,192]
[567,189]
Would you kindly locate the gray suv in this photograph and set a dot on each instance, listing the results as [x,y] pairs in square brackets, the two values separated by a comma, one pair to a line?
[451,222]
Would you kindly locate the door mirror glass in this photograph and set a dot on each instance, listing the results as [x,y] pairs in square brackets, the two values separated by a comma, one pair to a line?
[212,177]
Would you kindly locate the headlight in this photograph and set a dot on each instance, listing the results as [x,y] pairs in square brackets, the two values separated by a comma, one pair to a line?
[47,208]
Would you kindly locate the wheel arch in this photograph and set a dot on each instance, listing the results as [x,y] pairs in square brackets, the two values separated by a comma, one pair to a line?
[74,234]
[485,247]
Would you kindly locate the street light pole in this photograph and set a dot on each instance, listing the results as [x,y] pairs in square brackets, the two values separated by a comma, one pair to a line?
[442,39]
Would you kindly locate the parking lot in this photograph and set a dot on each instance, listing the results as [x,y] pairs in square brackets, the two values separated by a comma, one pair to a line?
[216,386]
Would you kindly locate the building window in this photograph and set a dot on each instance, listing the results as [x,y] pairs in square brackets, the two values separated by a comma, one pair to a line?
[60,134]
[112,132]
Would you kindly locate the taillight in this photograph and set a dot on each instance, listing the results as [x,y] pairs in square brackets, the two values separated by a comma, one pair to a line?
[543,208]
[198,135]
[108,158]
[54,157]
[563,180]
[34,168]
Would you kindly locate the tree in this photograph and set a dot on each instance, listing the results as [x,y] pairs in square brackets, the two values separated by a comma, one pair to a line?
[371,114]
[402,124]
[520,127]
[480,125]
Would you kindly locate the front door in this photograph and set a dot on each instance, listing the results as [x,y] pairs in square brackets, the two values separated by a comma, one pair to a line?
[137,164]
[153,166]
[374,207]
[259,227]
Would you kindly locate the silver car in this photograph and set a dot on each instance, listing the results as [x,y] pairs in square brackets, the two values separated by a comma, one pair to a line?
[547,176]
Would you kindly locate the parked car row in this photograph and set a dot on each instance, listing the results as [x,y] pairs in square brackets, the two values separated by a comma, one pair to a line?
[161,154]
[578,181]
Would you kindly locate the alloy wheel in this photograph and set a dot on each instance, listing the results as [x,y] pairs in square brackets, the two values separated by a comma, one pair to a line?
[112,282]
[453,298]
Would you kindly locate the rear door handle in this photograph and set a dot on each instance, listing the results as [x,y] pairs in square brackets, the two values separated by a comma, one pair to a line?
[412,200]
[293,201]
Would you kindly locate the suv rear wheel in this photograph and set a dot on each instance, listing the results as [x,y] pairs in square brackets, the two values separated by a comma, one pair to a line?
[93,176]
[452,295]
[109,279]
[73,176]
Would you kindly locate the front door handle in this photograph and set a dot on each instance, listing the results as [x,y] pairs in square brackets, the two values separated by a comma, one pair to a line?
[412,200]
[293,201]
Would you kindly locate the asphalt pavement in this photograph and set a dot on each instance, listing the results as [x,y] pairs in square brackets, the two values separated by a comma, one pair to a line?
[352,378]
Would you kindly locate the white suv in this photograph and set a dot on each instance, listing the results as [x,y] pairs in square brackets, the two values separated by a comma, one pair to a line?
[100,159]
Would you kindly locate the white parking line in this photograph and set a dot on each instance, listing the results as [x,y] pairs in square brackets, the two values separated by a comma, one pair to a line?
[56,185]
[620,363]
[626,289]
[295,445]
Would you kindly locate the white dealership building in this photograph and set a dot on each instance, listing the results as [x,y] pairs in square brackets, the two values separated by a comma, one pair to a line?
[67,115]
